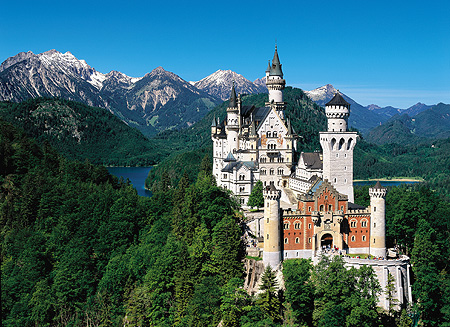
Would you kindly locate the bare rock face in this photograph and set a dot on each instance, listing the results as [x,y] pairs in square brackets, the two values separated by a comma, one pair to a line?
[153,103]
[219,84]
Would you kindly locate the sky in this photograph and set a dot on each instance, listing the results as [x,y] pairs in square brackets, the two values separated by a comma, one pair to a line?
[377,52]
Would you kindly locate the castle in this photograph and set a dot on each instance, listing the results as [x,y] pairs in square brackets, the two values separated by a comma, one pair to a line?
[308,205]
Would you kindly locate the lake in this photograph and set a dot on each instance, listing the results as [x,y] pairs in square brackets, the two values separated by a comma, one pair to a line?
[136,175]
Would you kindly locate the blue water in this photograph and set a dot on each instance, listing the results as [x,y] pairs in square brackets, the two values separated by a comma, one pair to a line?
[136,175]
[384,183]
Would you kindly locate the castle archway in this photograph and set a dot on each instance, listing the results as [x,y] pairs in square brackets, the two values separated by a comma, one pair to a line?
[326,240]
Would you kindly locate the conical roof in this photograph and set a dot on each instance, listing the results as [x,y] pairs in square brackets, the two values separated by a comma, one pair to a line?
[229,158]
[275,70]
[338,100]
[214,122]
[378,186]
[233,98]
[268,67]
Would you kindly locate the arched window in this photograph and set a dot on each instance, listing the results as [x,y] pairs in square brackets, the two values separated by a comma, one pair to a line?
[353,223]
[272,171]
[263,172]
[353,238]
[364,223]
[349,145]
[280,171]
[330,207]
[274,134]
[297,240]
[268,134]
[286,225]
[364,238]
[286,240]
[341,143]
[333,143]
[297,224]
[321,208]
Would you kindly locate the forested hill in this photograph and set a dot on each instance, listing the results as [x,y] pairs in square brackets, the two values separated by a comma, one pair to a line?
[81,248]
[81,132]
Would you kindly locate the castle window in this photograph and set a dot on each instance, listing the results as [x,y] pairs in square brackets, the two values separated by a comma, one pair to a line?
[288,146]
[374,209]
[309,240]
[242,189]
[272,159]
[297,224]
[342,208]
[286,225]
[274,134]
[225,175]
[374,241]
[345,168]
[309,208]
[345,155]
[330,207]
[337,155]
[353,223]
[353,238]
[267,237]
[335,180]
[241,177]
[280,171]
[297,240]
[286,240]
[309,226]
[364,223]
[272,172]
[321,208]
[364,238]
[268,134]
[263,172]
[374,225]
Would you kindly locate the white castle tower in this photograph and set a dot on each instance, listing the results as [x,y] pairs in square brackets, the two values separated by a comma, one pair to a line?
[275,84]
[233,123]
[337,145]
[272,227]
[378,221]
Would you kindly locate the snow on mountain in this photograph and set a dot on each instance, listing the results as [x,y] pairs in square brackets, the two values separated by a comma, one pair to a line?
[322,94]
[219,84]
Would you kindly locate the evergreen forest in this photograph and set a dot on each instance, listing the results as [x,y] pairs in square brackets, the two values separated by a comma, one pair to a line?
[81,248]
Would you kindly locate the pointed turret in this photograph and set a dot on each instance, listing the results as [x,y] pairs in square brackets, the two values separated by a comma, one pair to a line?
[275,70]
[275,83]
[233,98]
[214,122]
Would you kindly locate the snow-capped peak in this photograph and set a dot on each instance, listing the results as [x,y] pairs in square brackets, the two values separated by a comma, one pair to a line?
[321,93]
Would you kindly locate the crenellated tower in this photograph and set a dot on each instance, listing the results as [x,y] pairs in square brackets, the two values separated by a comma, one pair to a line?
[378,220]
[272,227]
[275,84]
[337,146]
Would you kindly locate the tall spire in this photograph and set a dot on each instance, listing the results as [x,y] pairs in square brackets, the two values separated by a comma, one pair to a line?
[275,70]
[233,100]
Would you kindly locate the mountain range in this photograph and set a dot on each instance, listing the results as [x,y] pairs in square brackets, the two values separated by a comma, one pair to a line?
[158,101]
[363,118]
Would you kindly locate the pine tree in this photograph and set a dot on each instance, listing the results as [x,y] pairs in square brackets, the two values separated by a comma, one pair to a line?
[269,299]
[256,198]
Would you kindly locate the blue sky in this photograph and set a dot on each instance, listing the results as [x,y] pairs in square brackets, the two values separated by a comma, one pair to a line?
[384,52]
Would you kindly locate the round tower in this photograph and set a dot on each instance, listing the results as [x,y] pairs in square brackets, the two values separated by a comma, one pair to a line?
[337,146]
[378,221]
[337,112]
[274,79]
[233,122]
[272,227]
